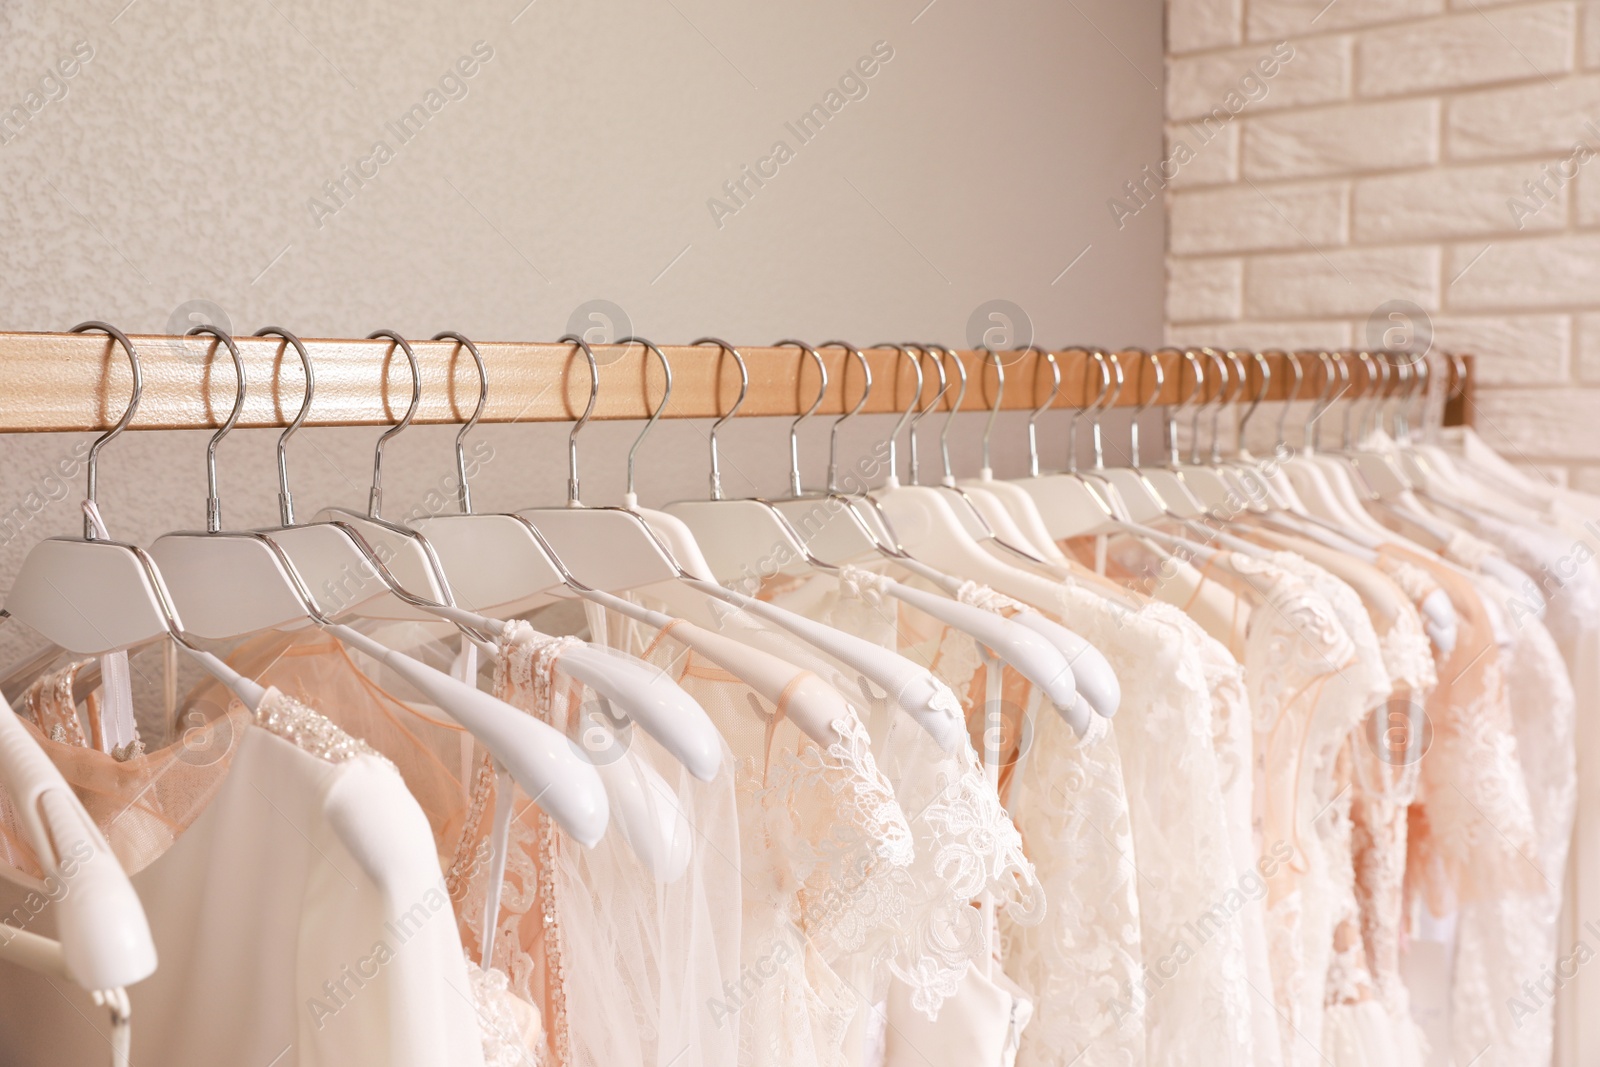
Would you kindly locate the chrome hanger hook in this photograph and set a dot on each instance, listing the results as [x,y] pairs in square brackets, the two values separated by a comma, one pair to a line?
[1154,363]
[1033,418]
[794,427]
[994,410]
[1206,401]
[1188,355]
[464,492]
[96,326]
[866,391]
[583,420]
[213,501]
[1097,358]
[1226,394]
[1264,366]
[905,416]
[375,501]
[1423,390]
[1334,376]
[650,423]
[1098,413]
[1242,375]
[285,500]
[955,406]
[944,387]
[744,389]
[1281,445]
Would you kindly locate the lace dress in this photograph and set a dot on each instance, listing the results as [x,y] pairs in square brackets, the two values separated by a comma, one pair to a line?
[1195,988]
[967,848]
[824,851]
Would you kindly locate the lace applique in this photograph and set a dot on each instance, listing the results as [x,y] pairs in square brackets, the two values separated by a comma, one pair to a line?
[851,871]
[861,584]
[966,846]
[981,596]
[1175,811]
[1467,550]
[48,701]
[291,720]
[1408,655]
[529,939]
[510,1025]
[1415,582]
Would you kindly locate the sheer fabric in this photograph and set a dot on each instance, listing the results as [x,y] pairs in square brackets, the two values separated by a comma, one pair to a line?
[303,831]
[824,849]
[1195,989]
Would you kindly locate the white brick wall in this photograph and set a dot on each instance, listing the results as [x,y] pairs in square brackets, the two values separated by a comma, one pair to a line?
[1421,150]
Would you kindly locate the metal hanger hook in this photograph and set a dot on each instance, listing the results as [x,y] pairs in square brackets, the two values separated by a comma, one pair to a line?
[794,427]
[905,416]
[955,406]
[285,500]
[1281,445]
[650,423]
[1033,417]
[744,389]
[1334,376]
[96,326]
[1216,403]
[1190,357]
[464,491]
[1154,363]
[1098,412]
[866,391]
[375,501]
[583,420]
[999,395]
[1264,366]
[916,420]
[1097,358]
[213,501]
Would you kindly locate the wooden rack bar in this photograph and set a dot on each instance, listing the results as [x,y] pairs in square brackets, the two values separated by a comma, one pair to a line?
[67,381]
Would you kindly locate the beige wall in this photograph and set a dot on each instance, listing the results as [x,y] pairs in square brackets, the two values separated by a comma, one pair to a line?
[569,157]
[1389,160]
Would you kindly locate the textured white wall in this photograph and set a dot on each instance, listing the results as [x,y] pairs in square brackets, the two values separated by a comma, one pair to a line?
[568,157]
[1390,159]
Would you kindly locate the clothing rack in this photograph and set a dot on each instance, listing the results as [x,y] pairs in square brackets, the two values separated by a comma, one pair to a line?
[81,381]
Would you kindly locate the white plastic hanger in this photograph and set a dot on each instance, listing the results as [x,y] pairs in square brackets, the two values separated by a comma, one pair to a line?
[760,523]
[103,939]
[96,596]
[635,556]
[211,572]
[989,491]
[923,526]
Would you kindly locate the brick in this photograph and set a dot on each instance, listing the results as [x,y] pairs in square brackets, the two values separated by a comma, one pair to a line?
[1585,479]
[1526,273]
[1532,424]
[1352,282]
[1589,347]
[1204,290]
[1455,202]
[1511,349]
[1316,71]
[1586,192]
[1193,25]
[1256,218]
[1277,19]
[1213,154]
[1541,118]
[1333,140]
[1264,336]
[1474,48]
